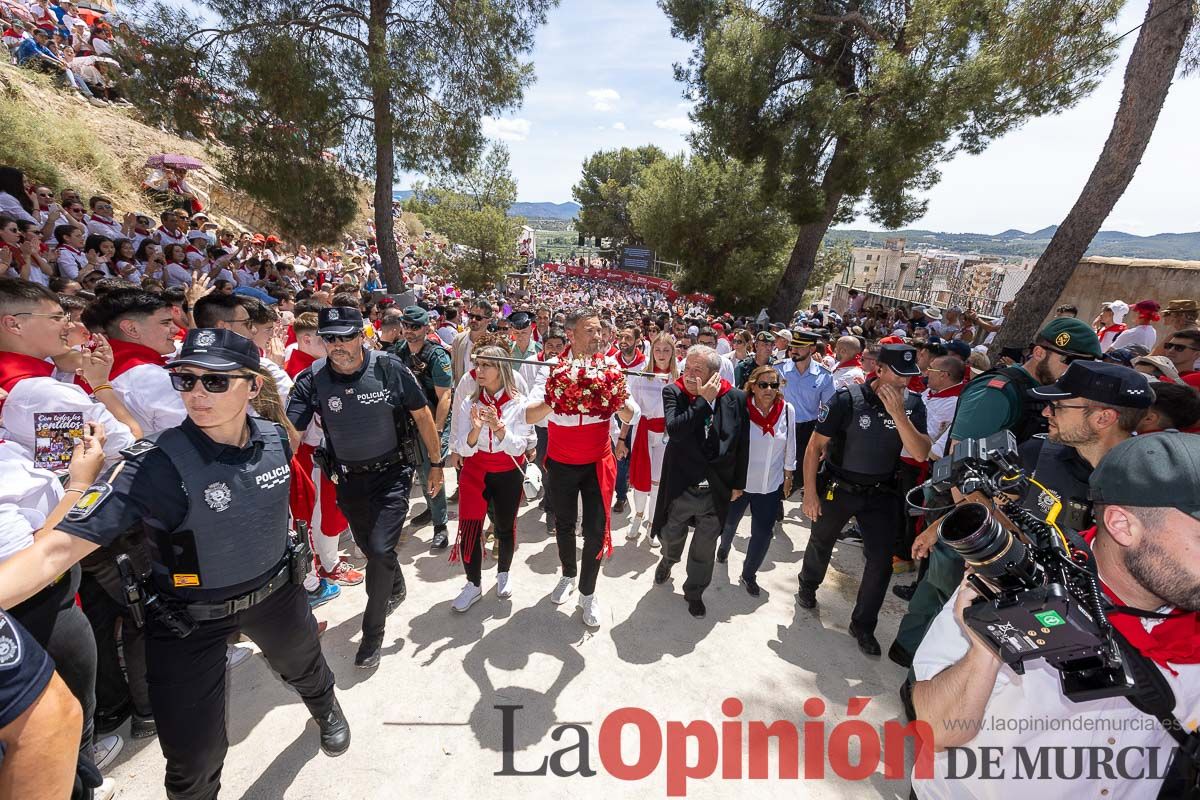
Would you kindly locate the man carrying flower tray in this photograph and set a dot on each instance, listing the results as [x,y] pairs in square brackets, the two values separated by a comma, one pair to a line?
[579,396]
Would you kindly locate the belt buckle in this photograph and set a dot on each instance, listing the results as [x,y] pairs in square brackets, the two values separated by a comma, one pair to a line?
[241,603]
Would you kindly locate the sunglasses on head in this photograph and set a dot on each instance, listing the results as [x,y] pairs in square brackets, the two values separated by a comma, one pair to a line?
[766,385]
[213,384]
[335,338]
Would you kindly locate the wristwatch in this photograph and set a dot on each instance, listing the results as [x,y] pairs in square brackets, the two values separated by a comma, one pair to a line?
[438,464]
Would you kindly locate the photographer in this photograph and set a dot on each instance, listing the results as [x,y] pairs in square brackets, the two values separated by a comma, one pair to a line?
[1146,555]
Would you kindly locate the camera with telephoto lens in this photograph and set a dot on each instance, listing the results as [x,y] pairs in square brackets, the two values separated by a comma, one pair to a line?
[1038,597]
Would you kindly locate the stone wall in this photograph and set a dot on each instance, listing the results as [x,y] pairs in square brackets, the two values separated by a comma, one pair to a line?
[1098,280]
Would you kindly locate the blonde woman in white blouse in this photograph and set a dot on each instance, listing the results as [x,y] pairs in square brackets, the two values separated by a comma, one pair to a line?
[772,464]
[646,445]
[489,434]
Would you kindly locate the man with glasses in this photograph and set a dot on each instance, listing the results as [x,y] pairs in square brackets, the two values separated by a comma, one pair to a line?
[1182,348]
[408,333]
[478,318]
[808,385]
[997,400]
[211,499]
[372,409]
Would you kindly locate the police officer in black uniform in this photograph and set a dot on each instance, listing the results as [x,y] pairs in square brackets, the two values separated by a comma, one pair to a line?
[211,498]
[860,435]
[369,402]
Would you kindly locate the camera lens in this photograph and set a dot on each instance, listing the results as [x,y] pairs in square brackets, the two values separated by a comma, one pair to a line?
[998,556]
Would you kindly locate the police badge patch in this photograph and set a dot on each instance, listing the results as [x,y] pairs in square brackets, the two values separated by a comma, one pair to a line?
[217,496]
[864,421]
[333,314]
[823,413]
[10,644]
[205,339]
[335,404]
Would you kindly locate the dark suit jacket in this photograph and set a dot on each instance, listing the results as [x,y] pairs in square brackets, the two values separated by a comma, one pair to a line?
[718,456]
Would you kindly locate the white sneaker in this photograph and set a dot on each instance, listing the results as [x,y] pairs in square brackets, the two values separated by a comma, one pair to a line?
[106,749]
[635,528]
[591,610]
[468,597]
[503,587]
[655,542]
[235,656]
[105,791]
[563,592]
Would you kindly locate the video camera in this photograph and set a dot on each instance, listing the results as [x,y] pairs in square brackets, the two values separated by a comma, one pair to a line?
[1038,598]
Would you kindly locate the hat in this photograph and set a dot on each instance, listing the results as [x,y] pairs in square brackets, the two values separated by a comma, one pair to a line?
[1182,307]
[901,358]
[339,321]
[1125,355]
[257,293]
[1119,309]
[892,340]
[520,320]
[1102,382]
[1161,364]
[803,338]
[218,349]
[959,348]
[718,327]
[764,336]
[931,312]
[1155,470]
[1072,336]
[199,214]
[272,239]
[1146,307]
[196,233]
[415,315]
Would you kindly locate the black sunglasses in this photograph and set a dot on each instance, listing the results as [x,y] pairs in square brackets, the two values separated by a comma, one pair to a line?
[763,385]
[477,317]
[494,328]
[413,326]
[214,384]
[332,338]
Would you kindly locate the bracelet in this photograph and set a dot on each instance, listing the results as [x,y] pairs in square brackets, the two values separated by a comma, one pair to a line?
[101,387]
[81,491]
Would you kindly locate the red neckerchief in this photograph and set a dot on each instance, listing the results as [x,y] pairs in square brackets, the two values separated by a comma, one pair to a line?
[103,220]
[725,387]
[767,422]
[68,248]
[851,362]
[612,351]
[14,367]
[950,391]
[297,362]
[17,255]
[638,358]
[1113,329]
[191,249]
[127,355]
[168,233]
[1173,640]
[496,403]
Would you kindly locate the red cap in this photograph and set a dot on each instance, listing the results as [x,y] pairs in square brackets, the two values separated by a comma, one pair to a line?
[891,340]
[1147,307]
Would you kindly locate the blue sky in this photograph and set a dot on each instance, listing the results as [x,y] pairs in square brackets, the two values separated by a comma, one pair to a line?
[604,80]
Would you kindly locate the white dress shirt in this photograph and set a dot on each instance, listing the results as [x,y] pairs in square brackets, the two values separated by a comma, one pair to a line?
[771,455]
[1144,335]
[146,391]
[27,496]
[177,275]
[71,262]
[517,431]
[46,395]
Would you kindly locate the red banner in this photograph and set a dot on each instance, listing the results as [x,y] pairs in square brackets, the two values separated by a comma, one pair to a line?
[604,274]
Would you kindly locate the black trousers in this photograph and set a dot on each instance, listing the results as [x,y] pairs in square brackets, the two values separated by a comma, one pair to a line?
[503,491]
[693,507]
[906,527]
[877,513]
[187,683]
[115,688]
[375,505]
[565,484]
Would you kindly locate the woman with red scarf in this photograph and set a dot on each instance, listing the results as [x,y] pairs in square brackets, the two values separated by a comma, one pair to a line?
[489,433]
[646,452]
[771,466]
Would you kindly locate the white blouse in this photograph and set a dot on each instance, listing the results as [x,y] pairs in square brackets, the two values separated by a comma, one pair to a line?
[516,429]
[648,393]
[771,455]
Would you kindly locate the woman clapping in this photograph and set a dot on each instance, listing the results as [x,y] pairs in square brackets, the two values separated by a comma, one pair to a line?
[489,434]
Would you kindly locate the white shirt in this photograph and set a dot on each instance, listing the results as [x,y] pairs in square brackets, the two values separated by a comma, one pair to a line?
[46,395]
[282,381]
[109,228]
[1018,702]
[11,207]
[771,455]
[648,393]
[516,430]
[726,370]
[939,413]
[848,376]
[177,275]
[146,391]
[447,333]
[27,496]
[1144,335]
[723,346]
[538,395]
[71,262]
[164,237]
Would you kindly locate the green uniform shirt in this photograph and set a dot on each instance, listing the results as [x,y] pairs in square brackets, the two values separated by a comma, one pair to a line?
[439,364]
[984,409]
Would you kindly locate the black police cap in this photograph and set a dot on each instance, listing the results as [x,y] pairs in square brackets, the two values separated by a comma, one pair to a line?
[520,320]
[339,321]
[901,358]
[216,349]
[1111,384]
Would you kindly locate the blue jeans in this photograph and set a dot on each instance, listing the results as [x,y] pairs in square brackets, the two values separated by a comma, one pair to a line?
[437,503]
[764,509]
[622,489]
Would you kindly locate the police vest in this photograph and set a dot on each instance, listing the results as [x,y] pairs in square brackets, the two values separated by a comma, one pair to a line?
[1063,471]
[236,528]
[359,418]
[869,445]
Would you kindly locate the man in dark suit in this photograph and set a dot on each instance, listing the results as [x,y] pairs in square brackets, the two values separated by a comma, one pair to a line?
[704,468]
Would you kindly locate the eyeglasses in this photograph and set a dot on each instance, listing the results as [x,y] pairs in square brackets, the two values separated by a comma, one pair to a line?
[1056,407]
[59,317]
[763,385]
[935,369]
[331,338]
[213,384]
[1179,346]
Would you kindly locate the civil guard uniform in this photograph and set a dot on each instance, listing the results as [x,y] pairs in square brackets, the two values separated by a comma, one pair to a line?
[860,480]
[221,562]
[370,451]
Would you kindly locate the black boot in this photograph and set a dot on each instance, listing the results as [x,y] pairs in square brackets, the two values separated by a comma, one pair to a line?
[335,731]
[368,654]
[399,591]
[867,642]
[441,538]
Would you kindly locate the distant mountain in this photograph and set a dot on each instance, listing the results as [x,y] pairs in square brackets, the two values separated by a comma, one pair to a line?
[1012,242]
[564,211]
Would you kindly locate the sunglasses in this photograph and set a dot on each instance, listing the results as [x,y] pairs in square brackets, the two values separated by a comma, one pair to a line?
[764,385]
[1178,346]
[413,326]
[498,329]
[477,317]
[333,338]
[213,384]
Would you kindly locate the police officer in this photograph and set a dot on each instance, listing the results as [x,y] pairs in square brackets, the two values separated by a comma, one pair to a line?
[860,434]
[211,497]
[368,401]
[429,362]
[808,385]
[996,400]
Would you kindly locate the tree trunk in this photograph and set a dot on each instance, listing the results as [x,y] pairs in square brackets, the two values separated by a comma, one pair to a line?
[385,157]
[1148,77]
